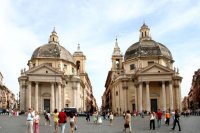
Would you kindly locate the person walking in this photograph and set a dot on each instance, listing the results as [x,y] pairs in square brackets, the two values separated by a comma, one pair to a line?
[48,118]
[55,119]
[29,118]
[36,122]
[176,120]
[127,121]
[152,120]
[111,117]
[159,117]
[167,118]
[88,117]
[62,120]
[173,116]
[72,122]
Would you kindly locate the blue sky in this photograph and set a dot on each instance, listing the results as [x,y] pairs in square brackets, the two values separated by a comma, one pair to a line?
[26,25]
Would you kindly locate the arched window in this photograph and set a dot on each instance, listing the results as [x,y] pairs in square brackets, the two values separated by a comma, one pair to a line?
[117,64]
[78,65]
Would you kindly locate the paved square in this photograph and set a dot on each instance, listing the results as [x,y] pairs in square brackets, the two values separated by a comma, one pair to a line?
[139,125]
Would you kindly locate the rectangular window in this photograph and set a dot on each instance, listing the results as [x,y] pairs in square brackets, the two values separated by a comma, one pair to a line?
[132,66]
[116,93]
[49,64]
[65,66]
[150,62]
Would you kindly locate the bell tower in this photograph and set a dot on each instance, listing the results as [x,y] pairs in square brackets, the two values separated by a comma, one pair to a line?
[80,59]
[117,58]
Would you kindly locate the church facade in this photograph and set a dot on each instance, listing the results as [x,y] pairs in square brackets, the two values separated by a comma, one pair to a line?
[144,79]
[56,79]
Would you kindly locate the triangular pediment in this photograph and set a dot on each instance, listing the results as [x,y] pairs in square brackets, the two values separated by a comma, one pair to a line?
[43,69]
[155,68]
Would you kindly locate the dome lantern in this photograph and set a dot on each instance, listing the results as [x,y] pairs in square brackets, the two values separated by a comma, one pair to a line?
[53,37]
[147,47]
[144,33]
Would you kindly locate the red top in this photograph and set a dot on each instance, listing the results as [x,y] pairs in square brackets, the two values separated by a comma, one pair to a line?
[159,115]
[62,117]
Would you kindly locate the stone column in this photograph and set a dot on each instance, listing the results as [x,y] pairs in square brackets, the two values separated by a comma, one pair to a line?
[140,96]
[64,97]
[163,96]
[22,97]
[147,97]
[56,88]
[36,96]
[74,95]
[179,88]
[136,98]
[59,96]
[176,97]
[29,95]
[52,98]
[125,97]
[171,103]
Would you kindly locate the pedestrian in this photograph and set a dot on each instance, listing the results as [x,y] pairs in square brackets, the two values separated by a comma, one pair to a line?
[48,118]
[29,122]
[55,119]
[173,116]
[88,117]
[72,122]
[36,122]
[62,120]
[176,120]
[127,121]
[111,117]
[152,120]
[94,117]
[159,117]
[167,118]
[99,119]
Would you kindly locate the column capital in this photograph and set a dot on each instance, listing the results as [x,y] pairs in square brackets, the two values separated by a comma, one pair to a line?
[163,82]
[125,87]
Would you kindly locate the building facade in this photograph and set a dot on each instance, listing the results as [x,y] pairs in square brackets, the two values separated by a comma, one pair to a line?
[144,79]
[194,93]
[56,79]
[7,98]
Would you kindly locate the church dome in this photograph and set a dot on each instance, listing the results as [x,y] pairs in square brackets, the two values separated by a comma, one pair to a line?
[53,50]
[146,47]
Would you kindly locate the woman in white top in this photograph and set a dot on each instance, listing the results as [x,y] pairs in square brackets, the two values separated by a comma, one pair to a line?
[152,120]
[72,121]
[111,118]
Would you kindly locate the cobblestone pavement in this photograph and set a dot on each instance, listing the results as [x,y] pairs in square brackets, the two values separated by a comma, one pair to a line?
[139,125]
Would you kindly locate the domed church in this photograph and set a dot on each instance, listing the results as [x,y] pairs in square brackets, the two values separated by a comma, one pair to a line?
[56,79]
[144,79]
